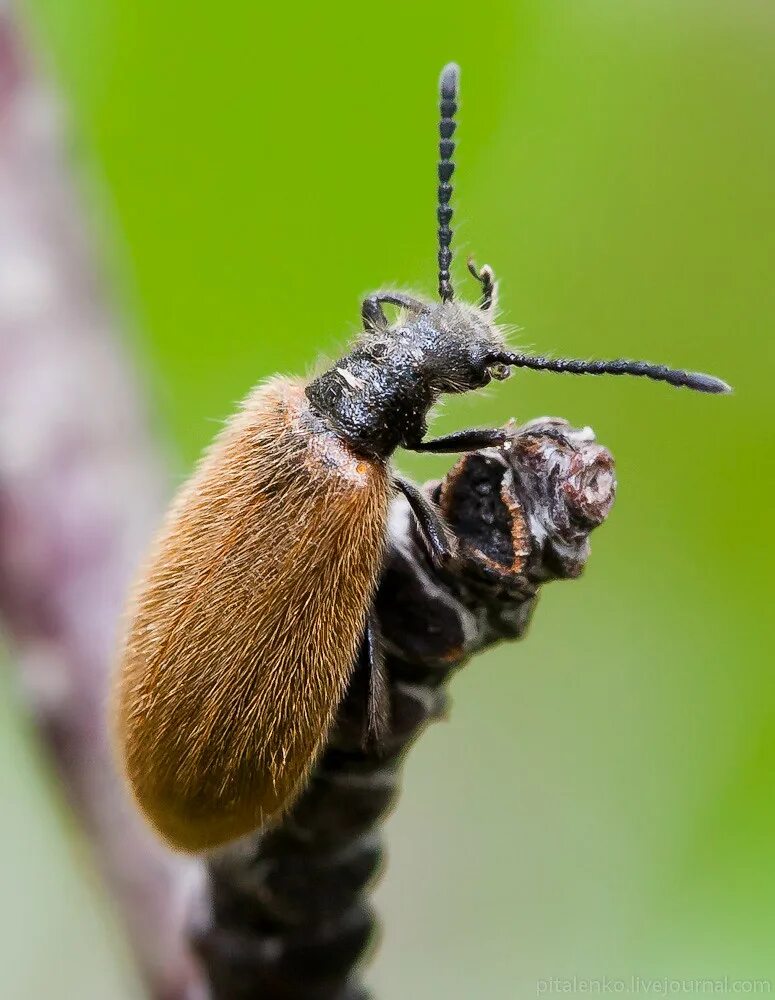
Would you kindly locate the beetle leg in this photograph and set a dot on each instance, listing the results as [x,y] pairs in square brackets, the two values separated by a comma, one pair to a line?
[470,440]
[432,527]
[373,315]
[486,278]
[377,692]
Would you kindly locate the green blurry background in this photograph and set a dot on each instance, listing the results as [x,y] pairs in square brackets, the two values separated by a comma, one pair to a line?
[600,802]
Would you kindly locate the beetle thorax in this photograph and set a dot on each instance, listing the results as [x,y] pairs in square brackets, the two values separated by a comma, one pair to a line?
[378,396]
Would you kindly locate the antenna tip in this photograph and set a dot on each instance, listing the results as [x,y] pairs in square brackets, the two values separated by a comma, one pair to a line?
[709,383]
[448,81]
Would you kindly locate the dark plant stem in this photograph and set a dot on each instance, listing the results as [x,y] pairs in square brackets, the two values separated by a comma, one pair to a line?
[290,916]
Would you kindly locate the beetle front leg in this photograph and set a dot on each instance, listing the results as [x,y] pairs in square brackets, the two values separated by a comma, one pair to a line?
[469,440]
[432,527]
[373,314]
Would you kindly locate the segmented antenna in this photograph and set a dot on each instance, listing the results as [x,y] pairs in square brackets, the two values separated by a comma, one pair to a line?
[448,88]
[659,373]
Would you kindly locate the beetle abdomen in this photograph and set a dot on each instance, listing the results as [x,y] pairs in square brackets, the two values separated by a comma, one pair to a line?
[245,626]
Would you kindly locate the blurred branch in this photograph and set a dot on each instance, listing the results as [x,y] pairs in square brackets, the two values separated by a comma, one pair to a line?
[290,917]
[80,489]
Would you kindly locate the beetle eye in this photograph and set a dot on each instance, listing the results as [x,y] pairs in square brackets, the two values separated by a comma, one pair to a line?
[500,372]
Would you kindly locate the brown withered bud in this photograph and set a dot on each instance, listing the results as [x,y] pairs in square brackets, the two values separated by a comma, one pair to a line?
[521,514]
[526,509]
[290,913]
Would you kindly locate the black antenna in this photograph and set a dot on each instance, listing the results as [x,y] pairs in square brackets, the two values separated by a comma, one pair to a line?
[659,373]
[448,88]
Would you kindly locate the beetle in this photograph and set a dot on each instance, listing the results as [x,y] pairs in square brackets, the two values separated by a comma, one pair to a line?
[255,602]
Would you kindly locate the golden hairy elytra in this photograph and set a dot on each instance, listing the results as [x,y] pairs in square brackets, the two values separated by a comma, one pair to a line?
[247,622]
